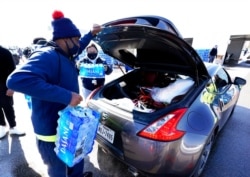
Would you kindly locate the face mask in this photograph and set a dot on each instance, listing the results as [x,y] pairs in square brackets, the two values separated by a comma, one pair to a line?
[92,55]
[73,51]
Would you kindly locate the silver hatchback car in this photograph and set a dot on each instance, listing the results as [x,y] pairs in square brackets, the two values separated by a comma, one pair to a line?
[162,117]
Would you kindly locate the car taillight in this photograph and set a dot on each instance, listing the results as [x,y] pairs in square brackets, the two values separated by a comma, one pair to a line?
[164,129]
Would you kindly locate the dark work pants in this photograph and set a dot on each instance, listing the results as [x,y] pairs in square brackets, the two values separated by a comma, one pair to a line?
[7,110]
[56,167]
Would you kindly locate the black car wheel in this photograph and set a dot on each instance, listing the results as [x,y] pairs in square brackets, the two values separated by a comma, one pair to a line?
[204,157]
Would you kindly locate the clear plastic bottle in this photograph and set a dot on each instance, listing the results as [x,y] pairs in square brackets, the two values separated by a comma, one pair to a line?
[28,99]
[76,131]
[92,70]
[101,70]
[84,69]
[81,70]
[88,146]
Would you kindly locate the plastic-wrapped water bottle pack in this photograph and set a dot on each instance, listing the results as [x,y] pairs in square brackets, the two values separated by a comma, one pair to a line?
[76,132]
[92,70]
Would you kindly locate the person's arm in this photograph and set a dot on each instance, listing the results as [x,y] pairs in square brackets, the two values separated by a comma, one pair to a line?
[79,62]
[10,92]
[7,64]
[108,69]
[85,40]
[38,78]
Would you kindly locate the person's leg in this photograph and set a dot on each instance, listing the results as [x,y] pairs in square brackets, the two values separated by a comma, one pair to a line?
[55,166]
[10,116]
[86,92]
[76,170]
[9,111]
[3,131]
[209,58]
[2,118]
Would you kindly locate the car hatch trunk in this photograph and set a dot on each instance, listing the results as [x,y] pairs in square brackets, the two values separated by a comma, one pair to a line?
[147,47]
[126,103]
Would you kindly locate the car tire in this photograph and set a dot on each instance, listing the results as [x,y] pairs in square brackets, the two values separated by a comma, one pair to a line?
[204,157]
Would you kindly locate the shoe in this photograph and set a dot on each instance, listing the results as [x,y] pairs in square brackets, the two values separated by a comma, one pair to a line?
[15,131]
[87,174]
[3,131]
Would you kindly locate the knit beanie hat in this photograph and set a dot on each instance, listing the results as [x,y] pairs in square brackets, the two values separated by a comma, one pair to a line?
[63,27]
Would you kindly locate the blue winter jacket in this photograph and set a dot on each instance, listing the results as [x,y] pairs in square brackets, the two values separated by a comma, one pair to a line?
[48,77]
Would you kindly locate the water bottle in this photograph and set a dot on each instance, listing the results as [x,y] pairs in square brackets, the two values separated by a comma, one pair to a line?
[101,70]
[90,135]
[28,99]
[76,132]
[91,70]
[83,70]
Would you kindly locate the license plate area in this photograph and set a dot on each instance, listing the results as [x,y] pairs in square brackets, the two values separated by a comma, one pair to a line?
[105,132]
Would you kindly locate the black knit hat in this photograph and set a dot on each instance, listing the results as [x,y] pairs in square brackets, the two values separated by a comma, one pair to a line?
[63,27]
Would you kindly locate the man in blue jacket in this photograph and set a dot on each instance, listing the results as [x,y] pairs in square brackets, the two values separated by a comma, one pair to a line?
[50,77]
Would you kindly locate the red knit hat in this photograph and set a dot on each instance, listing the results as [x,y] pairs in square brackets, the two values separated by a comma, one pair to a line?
[63,27]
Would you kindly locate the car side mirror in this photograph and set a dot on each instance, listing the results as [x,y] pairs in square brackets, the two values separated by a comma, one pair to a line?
[239,81]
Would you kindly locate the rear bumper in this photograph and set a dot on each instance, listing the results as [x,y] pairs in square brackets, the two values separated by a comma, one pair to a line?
[157,158]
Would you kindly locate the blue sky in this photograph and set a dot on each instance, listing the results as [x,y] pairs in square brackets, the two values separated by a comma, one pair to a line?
[209,22]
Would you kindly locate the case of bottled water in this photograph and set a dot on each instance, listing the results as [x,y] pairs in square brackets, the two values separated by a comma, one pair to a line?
[92,70]
[76,132]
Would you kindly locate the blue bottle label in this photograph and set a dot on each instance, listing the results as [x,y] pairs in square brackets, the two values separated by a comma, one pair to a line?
[92,70]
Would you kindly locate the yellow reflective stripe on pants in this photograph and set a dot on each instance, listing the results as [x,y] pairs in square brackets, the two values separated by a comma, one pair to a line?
[51,138]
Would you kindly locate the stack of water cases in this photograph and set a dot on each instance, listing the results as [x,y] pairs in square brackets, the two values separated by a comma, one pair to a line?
[203,53]
[92,70]
[76,132]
